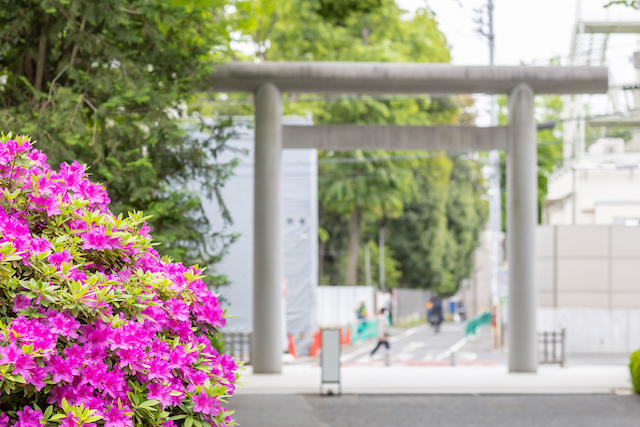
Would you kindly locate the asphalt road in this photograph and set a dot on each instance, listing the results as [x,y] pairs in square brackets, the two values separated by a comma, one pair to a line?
[440,411]
[422,346]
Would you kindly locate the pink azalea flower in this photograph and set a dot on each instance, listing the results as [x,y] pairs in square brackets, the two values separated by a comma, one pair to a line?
[29,417]
[40,245]
[4,420]
[116,417]
[58,258]
[94,374]
[97,239]
[159,392]
[20,302]
[132,357]
[9,354]
[62,370]
[36,377]
[160,369]
[178,309]
[69,421]
[204,403]
[23,365]
[37,157]
[113,382]
[64,325]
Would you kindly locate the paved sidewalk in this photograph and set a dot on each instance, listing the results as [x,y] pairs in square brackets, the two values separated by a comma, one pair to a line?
[305,379]
[440,411]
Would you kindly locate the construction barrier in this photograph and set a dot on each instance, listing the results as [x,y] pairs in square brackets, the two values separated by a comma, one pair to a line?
[365,330]
[478,321]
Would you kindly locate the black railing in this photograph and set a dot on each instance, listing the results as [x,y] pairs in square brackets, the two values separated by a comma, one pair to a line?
[238,343]
[552,347]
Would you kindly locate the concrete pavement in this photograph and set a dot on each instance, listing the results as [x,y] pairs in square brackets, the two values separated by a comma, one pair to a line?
[305,379]
[440,411]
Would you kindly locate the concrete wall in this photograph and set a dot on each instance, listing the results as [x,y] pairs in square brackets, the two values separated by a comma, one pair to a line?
[589,266]
[594,330]
[589,282]
[409,303]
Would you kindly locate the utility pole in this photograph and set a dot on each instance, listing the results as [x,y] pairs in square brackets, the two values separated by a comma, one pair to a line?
[367,264]
[381,250]
[495,193]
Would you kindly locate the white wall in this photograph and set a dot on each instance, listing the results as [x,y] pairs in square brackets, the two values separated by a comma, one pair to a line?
[594,330]
[589,266]
[589,282]
[336,305]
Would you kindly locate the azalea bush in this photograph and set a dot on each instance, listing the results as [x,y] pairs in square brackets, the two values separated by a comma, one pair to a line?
[96,328]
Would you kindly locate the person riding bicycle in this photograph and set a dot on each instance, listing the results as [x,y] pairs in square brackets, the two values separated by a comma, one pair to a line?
[435,314]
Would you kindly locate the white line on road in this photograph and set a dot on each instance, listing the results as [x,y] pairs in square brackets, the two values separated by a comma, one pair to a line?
[454,348]
[355,353]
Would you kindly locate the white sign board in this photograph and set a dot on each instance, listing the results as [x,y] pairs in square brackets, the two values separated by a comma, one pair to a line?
[330,356]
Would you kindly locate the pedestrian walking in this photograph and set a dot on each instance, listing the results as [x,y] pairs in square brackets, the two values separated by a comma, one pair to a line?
[383,331]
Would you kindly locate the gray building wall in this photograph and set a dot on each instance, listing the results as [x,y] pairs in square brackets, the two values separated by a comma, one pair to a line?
[409,303]
[589,283]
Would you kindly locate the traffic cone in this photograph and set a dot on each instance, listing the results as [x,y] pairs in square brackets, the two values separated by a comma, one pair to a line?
[317,343]
[292,347]
[348,334]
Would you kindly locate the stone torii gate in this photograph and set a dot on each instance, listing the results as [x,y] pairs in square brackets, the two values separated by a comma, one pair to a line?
[269,79]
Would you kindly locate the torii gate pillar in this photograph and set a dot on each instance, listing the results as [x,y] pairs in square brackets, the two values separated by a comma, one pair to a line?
[522,218]
[268,258]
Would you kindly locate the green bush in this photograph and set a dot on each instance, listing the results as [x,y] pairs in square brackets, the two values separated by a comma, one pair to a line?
[634,367]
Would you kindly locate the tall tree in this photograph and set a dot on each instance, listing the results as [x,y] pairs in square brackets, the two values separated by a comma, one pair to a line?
[103,82]
[362,184]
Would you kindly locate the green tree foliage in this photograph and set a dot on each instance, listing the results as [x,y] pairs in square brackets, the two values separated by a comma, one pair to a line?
[392,273]
[362,185]
[436,235]
[339,10]
[103,81]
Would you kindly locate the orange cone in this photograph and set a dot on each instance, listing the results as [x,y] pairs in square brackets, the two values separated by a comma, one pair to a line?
[292,347]
[348,338]
[317,343]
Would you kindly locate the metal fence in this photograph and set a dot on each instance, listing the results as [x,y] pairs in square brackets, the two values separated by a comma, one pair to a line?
[238,343]
[551,347]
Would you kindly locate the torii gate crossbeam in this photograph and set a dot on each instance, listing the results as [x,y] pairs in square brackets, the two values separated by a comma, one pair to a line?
[267,80]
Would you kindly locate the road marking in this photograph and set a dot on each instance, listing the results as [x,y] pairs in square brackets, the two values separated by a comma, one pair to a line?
[407,333]
[366,349]
[428,357]
[454,348]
